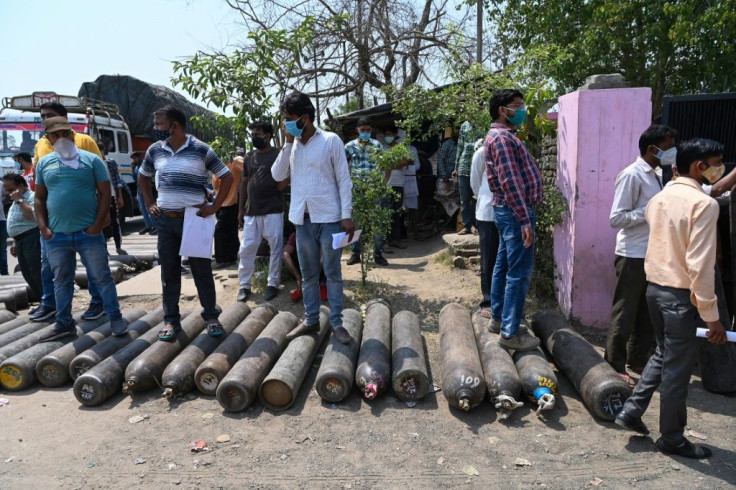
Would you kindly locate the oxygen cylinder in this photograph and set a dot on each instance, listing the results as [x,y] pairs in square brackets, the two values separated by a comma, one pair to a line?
[373,374]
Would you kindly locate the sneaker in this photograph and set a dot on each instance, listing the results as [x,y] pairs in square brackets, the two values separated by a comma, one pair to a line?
[354,259]
[60,333]
[302,329]
[519,342]
[271,292]
[94,312]
[323,292]
[630,422]
[119,327]
[120,251]
[243,295]
[32,311]
[380,260]
[341,335]
[494,326]
[42,313]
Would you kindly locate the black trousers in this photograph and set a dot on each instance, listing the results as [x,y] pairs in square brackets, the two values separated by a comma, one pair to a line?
[113,229]
[28,251]
[674,320]
[227,242]
[630,333]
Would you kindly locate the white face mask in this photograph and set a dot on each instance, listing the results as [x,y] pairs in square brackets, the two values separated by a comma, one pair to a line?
[667,158]
[66,149]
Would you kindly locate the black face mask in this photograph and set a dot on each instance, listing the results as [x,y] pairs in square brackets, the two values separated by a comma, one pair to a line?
[259,142]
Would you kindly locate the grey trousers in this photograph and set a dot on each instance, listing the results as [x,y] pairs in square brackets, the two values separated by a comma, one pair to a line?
[674,320]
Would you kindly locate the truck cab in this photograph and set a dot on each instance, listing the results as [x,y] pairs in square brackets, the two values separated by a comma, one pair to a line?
[21,127]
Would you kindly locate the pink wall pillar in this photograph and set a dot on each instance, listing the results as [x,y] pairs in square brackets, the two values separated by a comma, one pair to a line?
[597,136]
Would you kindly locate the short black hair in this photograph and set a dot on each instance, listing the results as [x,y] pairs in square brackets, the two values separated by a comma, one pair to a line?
[298,104]
[174,114]
[696,149]
[56,107]
[502,98]
[392,128]
[264,126]
[23,155]
[364,121]
[656,134]
[17,178]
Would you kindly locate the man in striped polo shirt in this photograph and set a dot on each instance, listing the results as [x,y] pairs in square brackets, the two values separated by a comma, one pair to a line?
[182,163]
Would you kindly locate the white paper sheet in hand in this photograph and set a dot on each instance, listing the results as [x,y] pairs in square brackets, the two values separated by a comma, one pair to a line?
[198,235]
[340,240]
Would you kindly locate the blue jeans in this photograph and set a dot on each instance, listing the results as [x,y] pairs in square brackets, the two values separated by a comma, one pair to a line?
[62,249]
[47,278]
[467,203]
[313,239]
[512,274]
[148,220]
[488,235]
[169,242]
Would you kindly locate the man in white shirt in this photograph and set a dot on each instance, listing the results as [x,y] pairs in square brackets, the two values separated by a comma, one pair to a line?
[487,231]
[321,204]
[630,336]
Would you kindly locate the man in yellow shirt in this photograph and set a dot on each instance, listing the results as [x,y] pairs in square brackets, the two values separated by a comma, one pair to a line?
[680,267]
[81,140]
[227,242]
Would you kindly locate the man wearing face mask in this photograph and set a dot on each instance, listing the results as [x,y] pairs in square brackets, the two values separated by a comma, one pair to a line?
[261,212]
[24,165]
[48,303]
[359,153]
[72,203]
[680,267]
[630,332]
[516,184]
[182,164]
[321,204]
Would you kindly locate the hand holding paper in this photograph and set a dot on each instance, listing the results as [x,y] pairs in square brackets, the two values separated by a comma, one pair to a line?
[342,239]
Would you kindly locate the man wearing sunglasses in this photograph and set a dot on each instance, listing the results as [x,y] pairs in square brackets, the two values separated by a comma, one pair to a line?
[72,204]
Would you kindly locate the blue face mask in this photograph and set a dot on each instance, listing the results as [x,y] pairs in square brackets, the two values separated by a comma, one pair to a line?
[16,165]
[518,118]
[389,139]
[364,136]
[293,128]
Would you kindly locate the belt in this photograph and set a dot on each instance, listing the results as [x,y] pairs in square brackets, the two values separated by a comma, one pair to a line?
[173,214]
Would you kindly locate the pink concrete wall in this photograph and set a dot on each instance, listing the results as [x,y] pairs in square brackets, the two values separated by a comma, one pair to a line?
[597,136]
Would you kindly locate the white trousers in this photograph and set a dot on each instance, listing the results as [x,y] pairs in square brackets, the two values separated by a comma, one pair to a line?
[255,228]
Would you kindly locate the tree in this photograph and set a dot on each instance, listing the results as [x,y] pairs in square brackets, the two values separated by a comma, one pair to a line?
[361,46]
[674,47]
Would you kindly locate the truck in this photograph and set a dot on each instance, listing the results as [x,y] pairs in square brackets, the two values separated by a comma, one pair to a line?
[21,127]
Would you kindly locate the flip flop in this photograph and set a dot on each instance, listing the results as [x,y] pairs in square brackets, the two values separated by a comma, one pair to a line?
[629,380]
[215,329]
[168,333]
[485,313]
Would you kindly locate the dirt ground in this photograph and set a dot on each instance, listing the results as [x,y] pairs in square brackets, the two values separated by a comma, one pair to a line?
[49,440]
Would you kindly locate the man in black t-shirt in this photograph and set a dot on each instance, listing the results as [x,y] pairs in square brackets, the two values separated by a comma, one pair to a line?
[261,205]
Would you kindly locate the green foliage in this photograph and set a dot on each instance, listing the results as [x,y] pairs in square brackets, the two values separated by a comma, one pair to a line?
[240,82]
[387,158]
[549,215]
[371,212]
[673,47]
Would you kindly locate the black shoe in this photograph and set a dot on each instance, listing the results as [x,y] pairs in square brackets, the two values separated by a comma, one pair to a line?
[33,311]
[686,449]
[153,231]
[55,334]
[341,335]
[270,293]
[221,265]
[380,260]
[302,329]
[354,259]
[631,423]
[144,231]
[42,313]
[243,295]
[185,261]
[94,312]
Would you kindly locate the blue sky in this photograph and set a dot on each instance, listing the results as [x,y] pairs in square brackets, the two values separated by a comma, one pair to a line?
[56,45]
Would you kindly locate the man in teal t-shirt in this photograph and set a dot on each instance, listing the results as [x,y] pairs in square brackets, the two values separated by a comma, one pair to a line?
[72,203]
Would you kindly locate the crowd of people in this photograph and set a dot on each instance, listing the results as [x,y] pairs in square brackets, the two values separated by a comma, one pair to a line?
[67,193]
